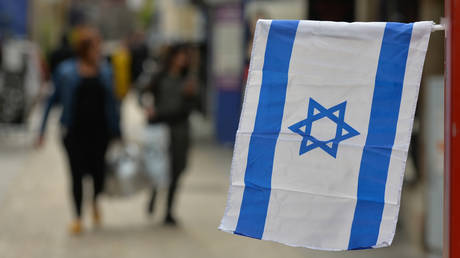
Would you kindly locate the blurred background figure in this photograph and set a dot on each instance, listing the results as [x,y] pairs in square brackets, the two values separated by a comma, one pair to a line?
[89,119]
[174,90]
[121,60]
[63,52]
[139,53]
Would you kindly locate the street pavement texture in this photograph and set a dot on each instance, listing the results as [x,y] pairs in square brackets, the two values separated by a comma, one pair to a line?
[35,208]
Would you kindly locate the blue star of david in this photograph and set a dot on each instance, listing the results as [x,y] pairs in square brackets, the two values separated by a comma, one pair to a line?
[309,142]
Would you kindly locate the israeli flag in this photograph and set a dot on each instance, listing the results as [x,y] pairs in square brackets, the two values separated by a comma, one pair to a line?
[324,132]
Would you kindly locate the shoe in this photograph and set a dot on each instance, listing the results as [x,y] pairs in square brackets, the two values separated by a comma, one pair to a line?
[76,227]
[170,220]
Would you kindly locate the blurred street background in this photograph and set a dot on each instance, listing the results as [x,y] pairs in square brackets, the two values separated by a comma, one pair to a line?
[36,36]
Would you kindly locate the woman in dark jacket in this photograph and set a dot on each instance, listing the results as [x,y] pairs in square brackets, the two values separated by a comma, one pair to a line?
[89,119]
[173,92]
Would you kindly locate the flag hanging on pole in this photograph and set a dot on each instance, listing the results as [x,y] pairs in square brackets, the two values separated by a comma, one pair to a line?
[324,132]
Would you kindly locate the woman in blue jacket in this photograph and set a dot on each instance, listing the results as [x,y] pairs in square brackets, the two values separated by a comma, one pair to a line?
[89,119]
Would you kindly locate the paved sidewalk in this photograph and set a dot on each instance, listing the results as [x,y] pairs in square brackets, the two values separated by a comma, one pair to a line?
[35,212]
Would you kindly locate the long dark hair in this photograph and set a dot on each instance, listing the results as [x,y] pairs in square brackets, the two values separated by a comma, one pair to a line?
[171,53]
[166,63]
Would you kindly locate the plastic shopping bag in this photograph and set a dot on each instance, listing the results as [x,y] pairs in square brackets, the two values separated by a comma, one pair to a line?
[156,154]
[125,175]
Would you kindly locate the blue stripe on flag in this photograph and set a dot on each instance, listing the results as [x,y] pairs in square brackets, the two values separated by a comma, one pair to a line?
[258,176]
[381,135]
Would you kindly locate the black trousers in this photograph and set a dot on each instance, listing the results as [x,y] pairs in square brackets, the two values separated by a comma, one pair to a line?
[178,150]
[86,158]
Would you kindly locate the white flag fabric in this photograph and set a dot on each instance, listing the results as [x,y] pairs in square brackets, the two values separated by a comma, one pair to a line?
[324,132]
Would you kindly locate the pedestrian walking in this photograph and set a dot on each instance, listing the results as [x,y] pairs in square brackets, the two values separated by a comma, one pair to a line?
[89,119]
[173,90]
